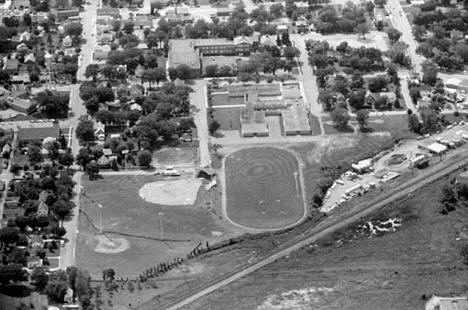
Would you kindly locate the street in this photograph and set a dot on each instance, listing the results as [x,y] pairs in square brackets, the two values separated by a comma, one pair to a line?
[401,23]
[88,18]
[308,80]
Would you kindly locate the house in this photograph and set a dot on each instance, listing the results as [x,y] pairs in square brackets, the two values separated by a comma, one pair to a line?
[25,36]
[11,66]
[179,14]
[135,107]
[100,131]
[37,131]
[67,13]
[20,105]
[447,303]
[113,12]
[67,41]
[100,54]
[267,40]
[20,4]
[371,99]
[105,38]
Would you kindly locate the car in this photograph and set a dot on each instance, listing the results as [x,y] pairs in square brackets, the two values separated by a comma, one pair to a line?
[170,172]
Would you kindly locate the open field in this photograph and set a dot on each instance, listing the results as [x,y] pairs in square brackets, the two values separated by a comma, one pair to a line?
[134,227]
[174,156]
[354,270]
[263,188]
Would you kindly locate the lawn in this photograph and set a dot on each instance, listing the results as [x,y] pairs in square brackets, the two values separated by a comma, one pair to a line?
[174,155]
[350,270]
[314,125]
[262,190]
[124,212]
[396,125]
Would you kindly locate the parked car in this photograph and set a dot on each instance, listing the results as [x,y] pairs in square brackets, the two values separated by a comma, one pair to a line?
[170,172]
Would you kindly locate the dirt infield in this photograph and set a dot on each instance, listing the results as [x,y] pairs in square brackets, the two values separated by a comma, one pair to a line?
[171,193]
[263,188]
[109,245]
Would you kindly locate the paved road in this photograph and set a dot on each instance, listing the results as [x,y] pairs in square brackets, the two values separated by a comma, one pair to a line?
[198,99]
[400,22]
[88,17]
[331,224]
[308,79]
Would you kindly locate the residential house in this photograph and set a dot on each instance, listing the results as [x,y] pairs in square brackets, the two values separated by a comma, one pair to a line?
[447,303]
[371,99]
[11,66]
[20,105]
[100,132]
[178,14]
[20,4]
[113,12]
[67,13]
[67,41]
[25,36]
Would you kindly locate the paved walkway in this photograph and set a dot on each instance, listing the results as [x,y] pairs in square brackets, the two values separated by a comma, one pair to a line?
[198,98]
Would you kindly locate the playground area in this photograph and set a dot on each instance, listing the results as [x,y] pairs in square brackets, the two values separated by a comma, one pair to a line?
[138,233]
[263,188]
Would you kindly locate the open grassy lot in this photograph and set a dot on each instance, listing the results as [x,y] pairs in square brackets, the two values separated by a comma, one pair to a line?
[353,270]
[263,188]
[395,124]
[134,224]
[175,155]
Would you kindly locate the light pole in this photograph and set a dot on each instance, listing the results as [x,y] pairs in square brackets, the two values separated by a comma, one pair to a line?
[297,185]
[100,217]
[161,224]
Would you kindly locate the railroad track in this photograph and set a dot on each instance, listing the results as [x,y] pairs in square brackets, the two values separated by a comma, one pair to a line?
[331,224]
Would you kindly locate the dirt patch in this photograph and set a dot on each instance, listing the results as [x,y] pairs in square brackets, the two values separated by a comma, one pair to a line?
[172,193]
[109,245]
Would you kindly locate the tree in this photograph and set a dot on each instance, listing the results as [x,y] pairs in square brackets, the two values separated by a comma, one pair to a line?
[172,73]
[213,126]
[92,70]
[85,131]
[211,70]
[362,117]
[430,71]
[83,157]
[62,209]
[464,254]
[12,273]
[77,3]
[27,19]
[34,154]
[381,103]
[144,158]
[9,235]
[74,29]
[340,118]
[362,29]
[393,35]
[52,104]
[92,169]
[105,94]
[108,274]
[377,84]
[290,52]
[39,277]
[184,72]
[92,105]
[57,287]
[276,10]
[66,159]
[128,27]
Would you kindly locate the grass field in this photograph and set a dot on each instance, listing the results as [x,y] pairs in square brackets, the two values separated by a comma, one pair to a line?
[352,271]
[262,190]
[125,212]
